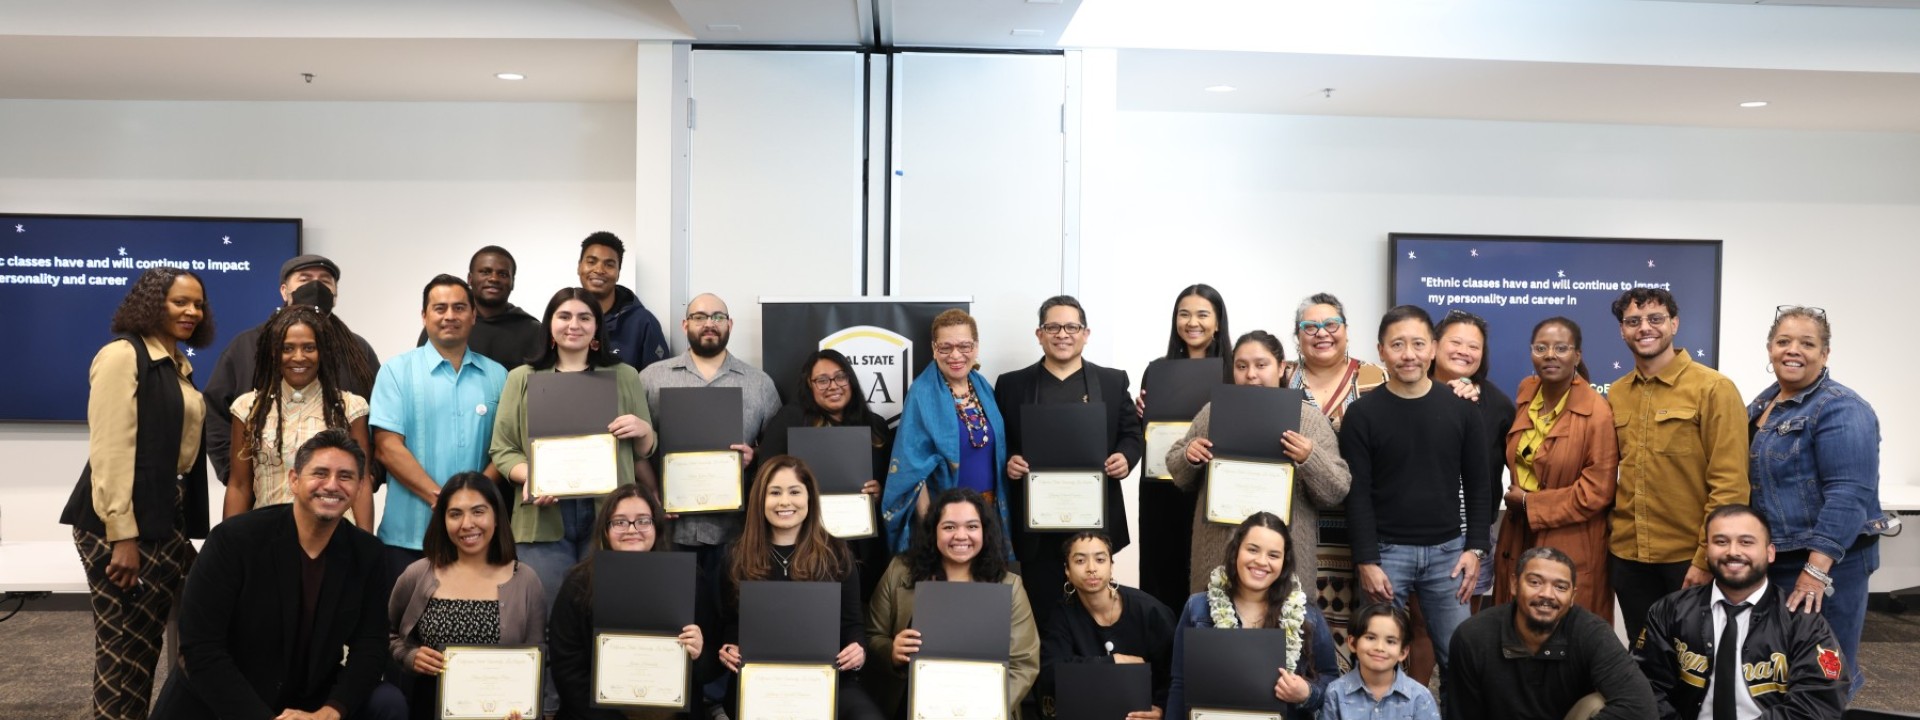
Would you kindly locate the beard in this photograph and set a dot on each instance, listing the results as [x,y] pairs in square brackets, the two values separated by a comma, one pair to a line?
[1543,627]
[707,351]
[1756,571]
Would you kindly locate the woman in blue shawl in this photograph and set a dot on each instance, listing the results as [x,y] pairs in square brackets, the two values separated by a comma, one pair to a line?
[950,434]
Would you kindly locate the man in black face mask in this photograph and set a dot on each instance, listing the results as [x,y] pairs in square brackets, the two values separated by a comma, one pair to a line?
[1541,655]
[305,280]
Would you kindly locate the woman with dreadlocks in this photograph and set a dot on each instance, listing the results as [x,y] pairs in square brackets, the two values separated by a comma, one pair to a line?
[296,394]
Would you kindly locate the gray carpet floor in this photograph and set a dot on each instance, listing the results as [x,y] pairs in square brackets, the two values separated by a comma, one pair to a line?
[47,662]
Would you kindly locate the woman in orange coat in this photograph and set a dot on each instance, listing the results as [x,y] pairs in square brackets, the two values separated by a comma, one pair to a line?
[1562,457]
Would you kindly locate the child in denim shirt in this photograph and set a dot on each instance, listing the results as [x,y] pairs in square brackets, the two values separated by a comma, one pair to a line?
[1376,688]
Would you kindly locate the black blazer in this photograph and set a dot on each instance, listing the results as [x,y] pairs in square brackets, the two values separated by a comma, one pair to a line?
[238,616]
[1125,435]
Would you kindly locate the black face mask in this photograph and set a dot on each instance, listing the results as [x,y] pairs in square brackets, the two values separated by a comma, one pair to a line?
[315,295]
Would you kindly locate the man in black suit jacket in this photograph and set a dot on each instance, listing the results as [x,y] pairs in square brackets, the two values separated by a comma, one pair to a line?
[275,596]
[1062,376]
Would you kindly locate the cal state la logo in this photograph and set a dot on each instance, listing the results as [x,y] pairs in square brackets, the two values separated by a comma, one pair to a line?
[882,358]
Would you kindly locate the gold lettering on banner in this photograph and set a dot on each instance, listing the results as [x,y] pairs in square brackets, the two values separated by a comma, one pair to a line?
[1774,669]
[1693,665]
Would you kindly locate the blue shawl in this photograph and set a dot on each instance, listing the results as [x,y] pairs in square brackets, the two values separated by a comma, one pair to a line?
[926,451]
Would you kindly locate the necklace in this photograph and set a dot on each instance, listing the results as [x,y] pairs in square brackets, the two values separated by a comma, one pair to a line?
[968,407]
[786,561]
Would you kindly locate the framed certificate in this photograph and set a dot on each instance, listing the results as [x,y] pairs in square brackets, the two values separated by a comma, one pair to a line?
[1161,437]
[1211,714]
[781,691]
[1066,500]
[701,481]
[848,516]
[957,690]
[639,670]
[1239,488]
[574,465]
[487,682]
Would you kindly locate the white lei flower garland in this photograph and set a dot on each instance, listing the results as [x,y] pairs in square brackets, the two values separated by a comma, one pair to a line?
[1293,613]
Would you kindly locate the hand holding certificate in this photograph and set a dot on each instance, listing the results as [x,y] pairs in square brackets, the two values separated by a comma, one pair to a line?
[1181,386]
[1250,471]
[574,466]
[639,670]
[841,461]
[1065,444]
[791,631]
[490,682]
[642,603]
[570,453]
[698,426]
[1239,488]
[957,690]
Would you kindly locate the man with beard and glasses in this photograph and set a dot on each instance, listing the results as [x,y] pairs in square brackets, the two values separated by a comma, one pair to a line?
[283,615]
[502,332]
[1731,650]
[1682,432]
[1542,656]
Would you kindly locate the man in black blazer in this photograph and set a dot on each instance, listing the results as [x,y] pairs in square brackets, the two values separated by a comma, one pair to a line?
[276,595]
[1062,376]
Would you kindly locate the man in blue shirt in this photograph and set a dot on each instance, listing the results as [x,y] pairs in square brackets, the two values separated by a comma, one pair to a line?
[432,416]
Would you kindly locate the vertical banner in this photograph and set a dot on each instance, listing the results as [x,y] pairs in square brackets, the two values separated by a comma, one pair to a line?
[889,341]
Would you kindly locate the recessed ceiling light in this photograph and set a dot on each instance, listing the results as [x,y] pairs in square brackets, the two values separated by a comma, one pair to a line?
[510,76]
[1754,103]
[1221,88]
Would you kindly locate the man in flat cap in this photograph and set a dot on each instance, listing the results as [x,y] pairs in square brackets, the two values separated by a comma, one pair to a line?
[305,280]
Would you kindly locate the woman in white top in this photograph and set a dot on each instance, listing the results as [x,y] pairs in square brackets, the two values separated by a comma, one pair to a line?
[295,395]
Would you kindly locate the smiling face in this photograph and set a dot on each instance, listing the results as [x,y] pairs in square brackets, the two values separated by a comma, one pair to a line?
[1543,593]
[786,501]
[1063,346]
[324,489]
[955,348]
[186,306]
[1195,319]
[1796,352]
[572,326]
[1321,347]
[491,276]
[449,316]
[1460,351]
[599,270]
[1407,350]
[1089,566]
[1738,551]
[1649,329]
[470,522]
[1379,646]
[299,356]
[830,386]
[632,529]
[1555,359]
[959,535]
[1254,364]
[1263,553]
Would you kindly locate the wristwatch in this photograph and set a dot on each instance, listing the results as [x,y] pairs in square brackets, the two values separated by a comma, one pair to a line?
[1482,554]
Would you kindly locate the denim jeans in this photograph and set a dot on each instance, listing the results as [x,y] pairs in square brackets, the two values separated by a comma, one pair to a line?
[1423,570]
[552,560]
[1846,611]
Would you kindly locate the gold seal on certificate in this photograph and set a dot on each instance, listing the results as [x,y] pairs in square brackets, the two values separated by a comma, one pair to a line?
[574,465]
[1239,488]
[1161,437]
[957,690]
[1071,500]
[489,681]
[848,516]
[1205,714]
[638,670]
[704,481]
[778,691]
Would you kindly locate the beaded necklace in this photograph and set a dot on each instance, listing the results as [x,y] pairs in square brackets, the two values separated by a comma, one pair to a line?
[968,407]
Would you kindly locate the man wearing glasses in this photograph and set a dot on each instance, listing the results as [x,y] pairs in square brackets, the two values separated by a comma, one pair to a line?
[1683,453]
[1062,376]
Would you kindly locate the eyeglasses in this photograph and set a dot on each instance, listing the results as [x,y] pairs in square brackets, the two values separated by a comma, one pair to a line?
[644,522]
[1652,321]
[1556,349]
[1799,309]
[718,318]
[826,381]
[1057,328]
[1330,325]
[965,348]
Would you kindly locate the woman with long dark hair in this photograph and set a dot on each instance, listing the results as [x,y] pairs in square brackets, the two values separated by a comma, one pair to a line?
[1255,587]
[143,492]
[296,394]
[1198,329]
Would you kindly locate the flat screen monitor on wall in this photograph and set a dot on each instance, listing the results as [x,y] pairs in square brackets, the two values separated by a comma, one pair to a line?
[64,275]
[1515,282]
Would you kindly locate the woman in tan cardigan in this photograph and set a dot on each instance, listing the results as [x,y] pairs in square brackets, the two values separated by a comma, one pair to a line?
[1320,480]
[1562,456]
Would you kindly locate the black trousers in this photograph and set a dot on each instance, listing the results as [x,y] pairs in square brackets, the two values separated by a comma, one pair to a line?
[1639,585]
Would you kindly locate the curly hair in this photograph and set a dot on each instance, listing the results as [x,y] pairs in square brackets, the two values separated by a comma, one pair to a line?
[329,346]
[144,311]
[924,561]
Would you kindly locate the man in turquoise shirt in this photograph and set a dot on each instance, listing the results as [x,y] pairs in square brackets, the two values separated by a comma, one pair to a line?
[432,416]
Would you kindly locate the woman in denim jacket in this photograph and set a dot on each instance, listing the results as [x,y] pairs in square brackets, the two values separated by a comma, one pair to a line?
[1815,468]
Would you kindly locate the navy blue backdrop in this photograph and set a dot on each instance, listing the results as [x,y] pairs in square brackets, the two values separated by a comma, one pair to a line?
[62,276]
[1515,282]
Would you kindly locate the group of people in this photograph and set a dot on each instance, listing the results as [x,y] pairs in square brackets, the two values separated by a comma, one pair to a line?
[1656,493]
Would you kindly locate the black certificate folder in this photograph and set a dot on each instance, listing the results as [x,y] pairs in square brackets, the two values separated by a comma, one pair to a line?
[789,622]
[700,418]
[573,403]
[650,592]
[1180,386]
[1101,691]
[964,620]
[1064,436]
[841,458]
[1234,669]
[1247,421]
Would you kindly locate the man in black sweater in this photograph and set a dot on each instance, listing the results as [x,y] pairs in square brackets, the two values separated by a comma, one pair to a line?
[1408,448]
[1540,656]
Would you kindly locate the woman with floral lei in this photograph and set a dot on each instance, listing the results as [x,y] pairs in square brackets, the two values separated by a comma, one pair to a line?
[1255,587]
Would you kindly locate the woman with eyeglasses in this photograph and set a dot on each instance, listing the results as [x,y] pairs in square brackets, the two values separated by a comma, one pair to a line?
[1332,380]
[951,436]
[1815,469]
[830,396]
[1562,454]
[628,521]
[1199,330]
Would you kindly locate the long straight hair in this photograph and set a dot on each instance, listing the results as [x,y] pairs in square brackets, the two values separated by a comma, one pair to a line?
[856,414]
[817,556]
[439,549]
[597,354]
[1177,348]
